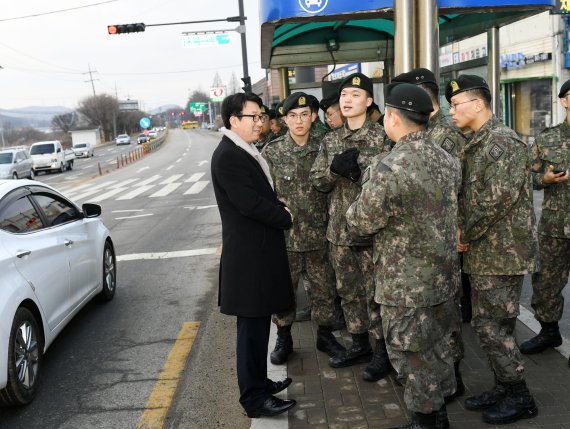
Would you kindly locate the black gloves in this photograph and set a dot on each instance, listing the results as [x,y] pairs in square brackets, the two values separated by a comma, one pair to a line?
[344,164]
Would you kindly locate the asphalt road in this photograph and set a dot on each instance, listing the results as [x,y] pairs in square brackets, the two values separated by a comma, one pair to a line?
[100,372]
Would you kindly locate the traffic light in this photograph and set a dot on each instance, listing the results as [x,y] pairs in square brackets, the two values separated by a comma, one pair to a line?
[126,28]
[247,84]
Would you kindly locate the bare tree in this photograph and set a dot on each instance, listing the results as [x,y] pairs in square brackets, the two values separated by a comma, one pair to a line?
[99,110]
[63,122]
[234,85]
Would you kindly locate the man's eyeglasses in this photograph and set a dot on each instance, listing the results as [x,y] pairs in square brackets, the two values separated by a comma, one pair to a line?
[454,105]
[303,116]
[256,118]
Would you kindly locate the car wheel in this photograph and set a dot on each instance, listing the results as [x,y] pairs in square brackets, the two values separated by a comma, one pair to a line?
[70,165]
[25,358]
[32,175]
[15,176]
[61,168]
[109,273]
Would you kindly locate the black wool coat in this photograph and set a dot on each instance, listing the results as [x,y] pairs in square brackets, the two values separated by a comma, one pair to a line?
[255,280]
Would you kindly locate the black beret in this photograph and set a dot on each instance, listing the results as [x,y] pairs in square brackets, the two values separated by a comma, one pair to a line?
[357,80]
[313,102]
[564,89]
[328,102]
[271,113]
[406,96]
[416,76]
[279,110]
[264,109]
[296,101]
[465,82]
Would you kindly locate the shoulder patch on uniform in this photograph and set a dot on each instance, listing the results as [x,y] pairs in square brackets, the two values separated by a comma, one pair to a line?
[448,145]
[496,152]
[365,176]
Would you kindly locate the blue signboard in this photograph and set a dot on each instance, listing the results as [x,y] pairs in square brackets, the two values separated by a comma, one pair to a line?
[344,71]
[144,123]
[270,10]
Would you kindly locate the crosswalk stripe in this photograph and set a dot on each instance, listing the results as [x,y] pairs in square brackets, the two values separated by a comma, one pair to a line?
[149,180]
[136,192]
[166,190]
[109,194]
[195,177]
[197,187]
[124,183]
[171,179]
[93,190]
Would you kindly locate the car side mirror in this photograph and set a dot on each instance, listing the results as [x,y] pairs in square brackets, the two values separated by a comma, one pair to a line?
[91,210]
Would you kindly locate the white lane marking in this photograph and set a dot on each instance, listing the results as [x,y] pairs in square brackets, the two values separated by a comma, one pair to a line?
[113,161]
[179,159]
[127,211]
[169,167]
[195,177]
[197,187]
[184,154]
[109,194]
[167,255]
[142,169]
[89,166]
[274,373]
[136,192]
[527,318]
[134,217]
[124,183]
[93,190]
[201,163]
[166,190]
[111,149]
[206,207]
[75,176]
[171,179]
[149,180]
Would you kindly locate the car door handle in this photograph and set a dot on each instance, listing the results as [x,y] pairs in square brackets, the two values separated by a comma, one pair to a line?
[68,242]
[22,253]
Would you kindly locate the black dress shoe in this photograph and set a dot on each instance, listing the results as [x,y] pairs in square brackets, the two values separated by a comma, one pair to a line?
[271,407]
[277,386]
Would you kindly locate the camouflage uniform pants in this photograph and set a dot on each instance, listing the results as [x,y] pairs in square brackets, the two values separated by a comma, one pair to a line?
[354,272]
[495,309]
[417,343]
[455,339]
[316,269]
[547,285]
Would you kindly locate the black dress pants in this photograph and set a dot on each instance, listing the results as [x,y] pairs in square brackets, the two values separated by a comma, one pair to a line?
[251,355]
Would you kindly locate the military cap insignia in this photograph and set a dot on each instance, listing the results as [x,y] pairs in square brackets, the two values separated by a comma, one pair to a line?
[356,81]
[280,110]
[448,145]
[454,86]
[262,109]
[496,152]
[302,101]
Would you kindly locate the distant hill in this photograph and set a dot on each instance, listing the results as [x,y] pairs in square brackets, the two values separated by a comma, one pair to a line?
[164,108]
[33,116]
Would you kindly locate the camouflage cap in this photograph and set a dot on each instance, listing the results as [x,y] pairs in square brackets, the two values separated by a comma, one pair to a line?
[465,82]
[406,96]
[296,101]
[357,80]
[416,77]
[564,89]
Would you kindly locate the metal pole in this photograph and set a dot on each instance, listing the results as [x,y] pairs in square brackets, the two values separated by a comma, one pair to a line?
[428,36]
[494,69]
[284,80]
[246,79]
[403,36]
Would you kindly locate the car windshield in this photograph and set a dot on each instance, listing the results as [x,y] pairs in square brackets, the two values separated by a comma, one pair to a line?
[142,135]
[6,158]
[80,145]
[42,149]
[122,136]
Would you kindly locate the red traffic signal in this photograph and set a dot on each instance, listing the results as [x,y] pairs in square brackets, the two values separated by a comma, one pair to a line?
[126,28]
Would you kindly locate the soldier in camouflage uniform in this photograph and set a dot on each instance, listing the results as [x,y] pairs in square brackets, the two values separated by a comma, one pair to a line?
[449,138]
[290,158]
[266,135]
[344,153]
[333,115]
[317,127]
[408,204]
[550,162]
[498,233]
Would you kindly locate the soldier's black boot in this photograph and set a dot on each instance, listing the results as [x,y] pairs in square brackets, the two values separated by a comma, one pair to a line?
[359,352]
[304,314]
[436,420]
[460,386]
[380,366]
[326,342]
[283,346]
[488,398]
[517,404]
[549,336]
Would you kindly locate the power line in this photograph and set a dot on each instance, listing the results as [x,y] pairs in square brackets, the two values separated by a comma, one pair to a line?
[37,59]
[57,11]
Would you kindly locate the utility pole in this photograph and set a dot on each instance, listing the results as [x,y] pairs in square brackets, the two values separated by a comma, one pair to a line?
[246,79]
[90,72]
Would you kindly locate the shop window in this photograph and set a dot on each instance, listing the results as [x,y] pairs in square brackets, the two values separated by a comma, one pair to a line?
[531,112]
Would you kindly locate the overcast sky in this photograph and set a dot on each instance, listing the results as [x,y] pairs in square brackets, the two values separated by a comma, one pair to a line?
[45,58]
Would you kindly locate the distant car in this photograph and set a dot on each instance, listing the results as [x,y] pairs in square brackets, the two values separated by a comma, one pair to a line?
[54,258]
[82,149]
[142,138]
[123,139]
[15,163]
[152,134]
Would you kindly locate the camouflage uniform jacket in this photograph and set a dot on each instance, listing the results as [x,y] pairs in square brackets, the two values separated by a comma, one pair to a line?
[290,166]
[444,134]
[371,141]
[496,203]
[552,147]
[409,204]
[318,129]
[264,141]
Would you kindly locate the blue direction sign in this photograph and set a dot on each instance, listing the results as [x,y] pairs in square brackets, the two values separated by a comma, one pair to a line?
[144,123]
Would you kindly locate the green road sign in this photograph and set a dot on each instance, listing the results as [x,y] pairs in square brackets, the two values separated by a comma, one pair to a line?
[197,107]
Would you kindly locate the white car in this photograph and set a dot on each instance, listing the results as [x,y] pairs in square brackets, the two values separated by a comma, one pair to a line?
[82,149]
[152,134]
[123,139]
[54,258]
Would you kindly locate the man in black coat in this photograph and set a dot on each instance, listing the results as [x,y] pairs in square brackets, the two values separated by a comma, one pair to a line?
[255,281]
